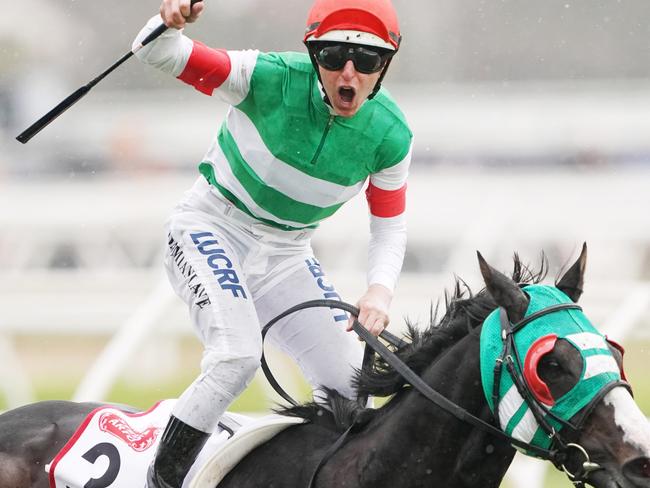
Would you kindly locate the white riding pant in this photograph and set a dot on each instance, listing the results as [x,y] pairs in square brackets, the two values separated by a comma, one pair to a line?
[236,274]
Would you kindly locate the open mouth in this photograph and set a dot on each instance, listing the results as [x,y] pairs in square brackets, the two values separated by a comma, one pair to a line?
[347,93]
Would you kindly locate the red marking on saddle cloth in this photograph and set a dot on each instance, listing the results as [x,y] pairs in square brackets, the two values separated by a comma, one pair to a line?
[116,425]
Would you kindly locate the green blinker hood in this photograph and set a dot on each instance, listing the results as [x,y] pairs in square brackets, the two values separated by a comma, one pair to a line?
[599,366]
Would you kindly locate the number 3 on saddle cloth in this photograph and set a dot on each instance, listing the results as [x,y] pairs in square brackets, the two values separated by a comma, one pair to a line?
[110,448]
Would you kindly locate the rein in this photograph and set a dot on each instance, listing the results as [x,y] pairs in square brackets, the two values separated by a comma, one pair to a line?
[557,457]
[392,339]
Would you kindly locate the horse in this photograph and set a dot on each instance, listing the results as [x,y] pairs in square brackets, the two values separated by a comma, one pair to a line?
[412,442]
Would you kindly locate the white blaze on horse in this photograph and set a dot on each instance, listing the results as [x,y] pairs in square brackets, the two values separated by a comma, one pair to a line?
[518,363]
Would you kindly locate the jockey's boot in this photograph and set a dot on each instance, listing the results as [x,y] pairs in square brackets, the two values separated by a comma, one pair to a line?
[179,446]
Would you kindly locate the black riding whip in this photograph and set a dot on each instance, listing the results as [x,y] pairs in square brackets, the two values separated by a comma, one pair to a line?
[73,98]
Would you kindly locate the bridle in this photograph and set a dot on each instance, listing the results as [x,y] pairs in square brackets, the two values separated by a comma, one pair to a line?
[510,358]
[557,454]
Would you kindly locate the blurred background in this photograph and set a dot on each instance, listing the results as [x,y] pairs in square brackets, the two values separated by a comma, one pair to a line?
[532,134]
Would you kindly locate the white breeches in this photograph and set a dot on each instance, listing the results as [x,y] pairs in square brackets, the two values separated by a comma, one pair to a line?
[236,274]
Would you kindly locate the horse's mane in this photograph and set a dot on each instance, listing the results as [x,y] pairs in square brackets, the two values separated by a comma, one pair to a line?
[464,311]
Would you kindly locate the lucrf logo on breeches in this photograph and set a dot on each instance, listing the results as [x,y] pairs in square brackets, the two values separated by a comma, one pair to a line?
[221,265]
[329,291]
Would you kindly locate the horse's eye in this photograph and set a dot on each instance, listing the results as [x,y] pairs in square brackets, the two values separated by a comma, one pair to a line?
[549,361]
[550,368]
[552,363]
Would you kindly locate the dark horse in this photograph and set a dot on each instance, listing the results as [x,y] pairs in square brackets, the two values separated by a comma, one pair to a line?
[408,442]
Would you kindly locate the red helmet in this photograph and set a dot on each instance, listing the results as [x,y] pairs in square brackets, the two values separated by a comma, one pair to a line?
[369,22]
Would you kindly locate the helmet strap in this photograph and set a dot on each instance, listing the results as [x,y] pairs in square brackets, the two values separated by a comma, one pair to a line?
[312,57]
[381,78]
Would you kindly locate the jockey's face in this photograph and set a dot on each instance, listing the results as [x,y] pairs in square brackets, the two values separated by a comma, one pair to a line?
[347,88]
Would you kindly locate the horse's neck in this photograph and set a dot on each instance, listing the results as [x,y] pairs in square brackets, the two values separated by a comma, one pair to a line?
[430,447]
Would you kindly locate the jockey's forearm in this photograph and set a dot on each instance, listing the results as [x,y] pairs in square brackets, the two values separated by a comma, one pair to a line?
[169,53]
[386,250]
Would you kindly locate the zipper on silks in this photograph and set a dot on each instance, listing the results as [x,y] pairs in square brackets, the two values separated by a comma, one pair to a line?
[322,140]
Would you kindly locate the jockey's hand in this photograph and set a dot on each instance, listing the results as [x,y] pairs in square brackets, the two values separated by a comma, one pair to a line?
[176,13]
[373,309]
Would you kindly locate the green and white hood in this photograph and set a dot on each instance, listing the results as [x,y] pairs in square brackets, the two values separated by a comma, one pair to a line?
[599,366]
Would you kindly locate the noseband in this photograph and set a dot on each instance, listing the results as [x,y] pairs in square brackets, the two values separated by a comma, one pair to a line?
[558,454]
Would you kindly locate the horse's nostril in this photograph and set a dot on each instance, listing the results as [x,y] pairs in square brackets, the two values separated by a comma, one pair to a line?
[638,468]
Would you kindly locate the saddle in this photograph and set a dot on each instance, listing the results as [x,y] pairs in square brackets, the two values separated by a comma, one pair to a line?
[228,454]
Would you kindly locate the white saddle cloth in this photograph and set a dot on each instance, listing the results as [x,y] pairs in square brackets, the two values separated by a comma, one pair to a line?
[115,448]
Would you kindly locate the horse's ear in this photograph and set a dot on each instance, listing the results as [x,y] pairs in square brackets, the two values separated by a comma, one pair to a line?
[573,280]
[505,292]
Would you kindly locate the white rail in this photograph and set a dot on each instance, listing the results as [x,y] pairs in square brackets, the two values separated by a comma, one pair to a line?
[637,303]
[134,332]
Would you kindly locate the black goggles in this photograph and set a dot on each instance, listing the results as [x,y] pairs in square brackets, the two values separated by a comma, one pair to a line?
[366,59]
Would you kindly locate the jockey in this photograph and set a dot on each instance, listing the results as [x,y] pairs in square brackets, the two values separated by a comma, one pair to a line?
[304,134]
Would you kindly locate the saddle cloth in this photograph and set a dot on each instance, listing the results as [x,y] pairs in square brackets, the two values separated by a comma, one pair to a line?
[112,448]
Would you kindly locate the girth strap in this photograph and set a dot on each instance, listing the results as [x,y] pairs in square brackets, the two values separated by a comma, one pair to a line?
[329,453]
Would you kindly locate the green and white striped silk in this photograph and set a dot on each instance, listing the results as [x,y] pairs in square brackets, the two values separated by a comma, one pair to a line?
[280,155]
[599,370]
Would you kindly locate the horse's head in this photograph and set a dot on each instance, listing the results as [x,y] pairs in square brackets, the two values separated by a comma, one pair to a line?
[553,381]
